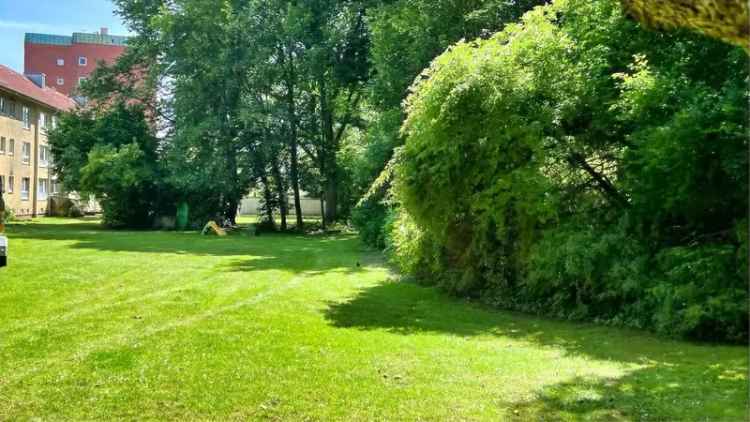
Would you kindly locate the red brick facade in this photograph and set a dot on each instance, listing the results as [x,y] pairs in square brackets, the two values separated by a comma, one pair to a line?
[41,56]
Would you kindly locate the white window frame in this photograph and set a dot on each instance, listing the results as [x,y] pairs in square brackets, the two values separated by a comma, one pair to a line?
[25,183]
[60,61]
[26,153]
[42,121]
[60,81]
[2,145]
[42,189]
[11,183]
[26,117]
[43,156]
[82,61]
[11,147]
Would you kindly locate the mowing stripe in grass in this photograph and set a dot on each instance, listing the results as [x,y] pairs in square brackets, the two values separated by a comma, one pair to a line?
[141,295]
[123,338]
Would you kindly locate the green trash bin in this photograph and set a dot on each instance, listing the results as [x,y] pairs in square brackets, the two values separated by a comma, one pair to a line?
[183,212]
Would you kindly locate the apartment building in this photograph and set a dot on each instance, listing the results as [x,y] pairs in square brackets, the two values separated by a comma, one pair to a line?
[67,60]
[28,107]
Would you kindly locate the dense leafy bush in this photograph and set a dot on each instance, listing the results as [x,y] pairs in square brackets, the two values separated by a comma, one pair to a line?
[579,166]
[579,270]
[113,155]
[405,36]
[8,216]
[700,292]
[370,219]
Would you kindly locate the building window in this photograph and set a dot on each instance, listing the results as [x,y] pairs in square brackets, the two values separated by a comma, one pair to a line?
[42,191]
[2,145]
[25,188]
[3,106]
[12,147]
[82,61]
[60,81]
[55,187]
[54,122]
[26,153]
[12,109]
[11,184]
[81,80]
[43,156]
[26,116]
[2,183]
[42,121]
[61,62]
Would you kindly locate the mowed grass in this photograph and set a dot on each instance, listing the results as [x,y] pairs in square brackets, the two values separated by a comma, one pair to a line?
[98,324]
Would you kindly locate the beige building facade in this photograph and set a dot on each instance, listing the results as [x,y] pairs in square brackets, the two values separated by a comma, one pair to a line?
[28,109]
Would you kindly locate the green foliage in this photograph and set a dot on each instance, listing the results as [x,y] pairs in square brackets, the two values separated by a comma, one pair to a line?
[411,249]
[540,176]
[405,37]
[701,293]
[113,155]
[70,209]
[370,219]
[120,178]
[7,216]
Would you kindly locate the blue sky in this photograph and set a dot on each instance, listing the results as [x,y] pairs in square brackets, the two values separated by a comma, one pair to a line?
[61,17]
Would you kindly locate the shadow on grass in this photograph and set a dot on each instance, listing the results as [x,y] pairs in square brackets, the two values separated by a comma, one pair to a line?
[668,380]
[289,252]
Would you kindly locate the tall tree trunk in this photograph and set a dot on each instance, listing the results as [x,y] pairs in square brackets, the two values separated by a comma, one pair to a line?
[268,198]
[322,212]
[295,187]
[231,211]
[322,165]
[293,147]
[328,153]
[236,190]
[283,201]
[331,198]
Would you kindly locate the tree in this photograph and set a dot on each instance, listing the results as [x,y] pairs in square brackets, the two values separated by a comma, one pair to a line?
[113,155]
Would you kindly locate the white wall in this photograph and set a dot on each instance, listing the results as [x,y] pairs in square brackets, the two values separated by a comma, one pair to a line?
[310,206]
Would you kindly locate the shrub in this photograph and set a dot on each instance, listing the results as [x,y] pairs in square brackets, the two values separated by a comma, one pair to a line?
[581,270]
[700,293]
[113,154]
[9,216]
[409,247]
[370,218]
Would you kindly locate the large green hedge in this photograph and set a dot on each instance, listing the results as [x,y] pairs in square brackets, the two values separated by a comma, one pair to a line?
[577,165]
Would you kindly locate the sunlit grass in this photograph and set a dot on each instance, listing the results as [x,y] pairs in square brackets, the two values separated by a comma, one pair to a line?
[98,324]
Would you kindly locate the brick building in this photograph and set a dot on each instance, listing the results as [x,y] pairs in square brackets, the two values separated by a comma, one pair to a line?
[65,60]
[27,108]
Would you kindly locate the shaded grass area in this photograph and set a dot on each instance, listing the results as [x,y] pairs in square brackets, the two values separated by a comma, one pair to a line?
[98,324]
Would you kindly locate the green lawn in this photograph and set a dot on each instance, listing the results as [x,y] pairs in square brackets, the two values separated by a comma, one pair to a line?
[98,324]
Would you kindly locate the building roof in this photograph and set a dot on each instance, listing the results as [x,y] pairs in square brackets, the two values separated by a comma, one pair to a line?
[77,38]
[20,84]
